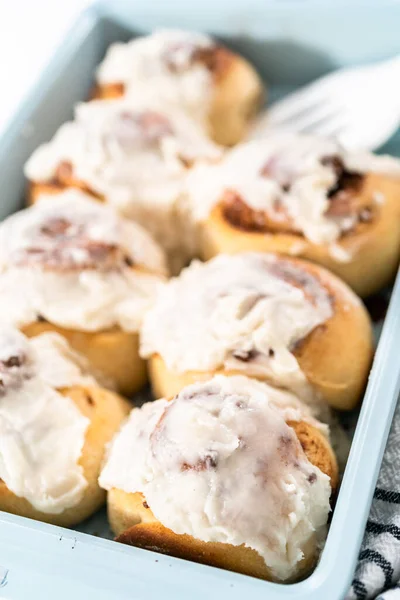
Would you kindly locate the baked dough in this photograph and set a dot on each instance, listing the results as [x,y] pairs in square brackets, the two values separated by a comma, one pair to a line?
[134,523]
[374,246]
[303,196]
[135,157]
[89,275]
[335,357]
[113,354]
[106,411]
[63,181]
[236,90]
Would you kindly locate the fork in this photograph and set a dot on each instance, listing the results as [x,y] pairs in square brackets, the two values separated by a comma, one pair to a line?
[360,106]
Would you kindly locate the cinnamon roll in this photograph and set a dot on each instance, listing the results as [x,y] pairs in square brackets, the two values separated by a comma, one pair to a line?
[232,473]
[277,319]
[75,267]
[213,84]
[304,196]
[54,424]
[132,155]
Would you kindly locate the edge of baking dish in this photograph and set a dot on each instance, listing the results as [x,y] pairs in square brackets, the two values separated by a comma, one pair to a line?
[55,562]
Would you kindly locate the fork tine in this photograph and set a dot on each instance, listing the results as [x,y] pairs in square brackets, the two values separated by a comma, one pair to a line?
[331,127]
[310,120]
[295,104]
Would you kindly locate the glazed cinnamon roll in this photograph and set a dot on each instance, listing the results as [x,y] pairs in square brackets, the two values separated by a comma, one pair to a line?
[54,424]
[75,267]
[304,196]
[134,156]
[277,319]
[213,84]
[232,473]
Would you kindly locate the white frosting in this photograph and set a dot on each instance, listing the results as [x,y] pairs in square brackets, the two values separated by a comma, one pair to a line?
[42,433]
[70,262]
[60,366]
[164,63]
[133,153]
[257,170]
[217,314]
[220,463]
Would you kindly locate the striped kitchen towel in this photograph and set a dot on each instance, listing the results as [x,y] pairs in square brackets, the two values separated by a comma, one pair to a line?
[378,570]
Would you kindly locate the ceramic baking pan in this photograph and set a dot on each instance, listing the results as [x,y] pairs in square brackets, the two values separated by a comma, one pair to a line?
[290,43]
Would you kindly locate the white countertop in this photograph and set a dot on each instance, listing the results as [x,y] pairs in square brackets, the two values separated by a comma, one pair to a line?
[29,31]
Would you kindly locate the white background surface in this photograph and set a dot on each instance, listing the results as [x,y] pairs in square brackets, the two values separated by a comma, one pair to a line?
[29,31]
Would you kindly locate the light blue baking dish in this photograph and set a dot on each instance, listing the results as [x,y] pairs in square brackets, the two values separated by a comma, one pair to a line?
[290,43]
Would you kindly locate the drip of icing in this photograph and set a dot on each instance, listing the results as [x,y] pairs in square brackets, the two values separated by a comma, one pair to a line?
[41,431]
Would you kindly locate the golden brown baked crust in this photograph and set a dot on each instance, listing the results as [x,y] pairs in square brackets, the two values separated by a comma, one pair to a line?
[240,559]
[237,99]
[114,353]
[238,95]
[134,523]
[374,245]
[63,180]
[335,357]
[318,450]
[106,411]
[109,91]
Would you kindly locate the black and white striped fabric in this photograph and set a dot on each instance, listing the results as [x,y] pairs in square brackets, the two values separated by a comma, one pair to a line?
[378,570]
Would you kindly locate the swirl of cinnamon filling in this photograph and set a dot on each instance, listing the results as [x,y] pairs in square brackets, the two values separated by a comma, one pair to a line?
[76,263]
[76,233]
[16,365]
[294,184]
[343,196]
[60,244]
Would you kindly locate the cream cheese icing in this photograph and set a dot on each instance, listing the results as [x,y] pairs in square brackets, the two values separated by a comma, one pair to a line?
[42,432]
[136,155]
[220,463]
[290,172]
[165,63]
[77,264]
[240,312]
[59,365]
